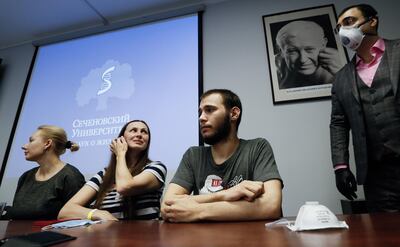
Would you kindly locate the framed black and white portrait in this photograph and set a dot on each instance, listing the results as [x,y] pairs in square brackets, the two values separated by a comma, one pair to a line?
[303,53]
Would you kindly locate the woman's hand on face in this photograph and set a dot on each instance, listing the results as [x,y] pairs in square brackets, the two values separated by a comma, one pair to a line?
[119,146]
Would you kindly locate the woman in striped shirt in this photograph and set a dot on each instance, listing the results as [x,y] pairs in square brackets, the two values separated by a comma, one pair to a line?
[129,188]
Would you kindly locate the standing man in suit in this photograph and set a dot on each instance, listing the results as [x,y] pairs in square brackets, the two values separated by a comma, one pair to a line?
[365,100]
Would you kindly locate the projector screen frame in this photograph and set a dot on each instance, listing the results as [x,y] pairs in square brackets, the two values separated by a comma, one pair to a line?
[80,34]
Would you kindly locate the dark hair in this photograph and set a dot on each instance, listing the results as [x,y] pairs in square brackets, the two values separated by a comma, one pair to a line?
[229,100]
[109,176]
[366,10]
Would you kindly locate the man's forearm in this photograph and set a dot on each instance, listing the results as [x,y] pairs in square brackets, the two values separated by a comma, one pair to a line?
[207,198]
[266,206]
[239,210]
[339,138]
[236,203]
[339,132]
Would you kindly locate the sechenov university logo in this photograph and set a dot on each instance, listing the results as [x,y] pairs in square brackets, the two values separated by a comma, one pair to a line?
[106,77]
[112,80]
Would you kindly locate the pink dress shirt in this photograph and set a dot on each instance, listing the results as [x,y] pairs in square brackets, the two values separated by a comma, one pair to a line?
[367,71]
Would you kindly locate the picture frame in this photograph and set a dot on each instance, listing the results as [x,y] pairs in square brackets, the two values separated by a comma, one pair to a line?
[303,53]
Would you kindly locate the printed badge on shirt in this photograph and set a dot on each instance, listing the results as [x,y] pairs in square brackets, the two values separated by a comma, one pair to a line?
[212,184]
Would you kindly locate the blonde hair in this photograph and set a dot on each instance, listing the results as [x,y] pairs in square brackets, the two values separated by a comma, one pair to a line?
[59,138]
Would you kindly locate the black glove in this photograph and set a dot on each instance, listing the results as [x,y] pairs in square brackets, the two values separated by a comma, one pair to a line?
[346,183]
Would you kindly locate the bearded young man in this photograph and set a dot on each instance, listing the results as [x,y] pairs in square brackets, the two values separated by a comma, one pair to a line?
[232,179]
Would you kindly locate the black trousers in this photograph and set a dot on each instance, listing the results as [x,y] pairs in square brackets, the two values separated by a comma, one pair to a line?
[382,187]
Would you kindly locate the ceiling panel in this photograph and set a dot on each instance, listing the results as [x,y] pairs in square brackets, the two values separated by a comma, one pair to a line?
[24,21]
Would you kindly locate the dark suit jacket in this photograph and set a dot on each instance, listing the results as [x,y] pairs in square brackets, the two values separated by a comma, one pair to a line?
[347,112]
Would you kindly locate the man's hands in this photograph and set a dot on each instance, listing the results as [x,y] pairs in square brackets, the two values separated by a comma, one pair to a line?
[346,183]
[181,208]
[185,208]
[329,59]
[246,190]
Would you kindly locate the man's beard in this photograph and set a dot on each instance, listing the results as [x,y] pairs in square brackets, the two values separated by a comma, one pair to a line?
[221,133]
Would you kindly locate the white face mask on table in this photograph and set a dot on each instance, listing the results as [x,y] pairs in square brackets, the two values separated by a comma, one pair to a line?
[313,216]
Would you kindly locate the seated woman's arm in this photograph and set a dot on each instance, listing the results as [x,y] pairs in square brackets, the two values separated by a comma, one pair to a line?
[150,179]
[75,207]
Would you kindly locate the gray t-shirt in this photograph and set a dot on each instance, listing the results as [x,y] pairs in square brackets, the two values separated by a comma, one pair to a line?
[253,160]
[42,200]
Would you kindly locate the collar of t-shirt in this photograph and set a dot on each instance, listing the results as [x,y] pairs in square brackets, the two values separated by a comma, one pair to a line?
[367,71]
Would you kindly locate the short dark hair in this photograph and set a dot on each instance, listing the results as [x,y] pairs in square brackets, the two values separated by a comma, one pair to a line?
[229,100]
[366,10]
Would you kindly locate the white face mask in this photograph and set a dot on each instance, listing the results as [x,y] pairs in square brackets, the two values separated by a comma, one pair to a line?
[351,37]
[313,216]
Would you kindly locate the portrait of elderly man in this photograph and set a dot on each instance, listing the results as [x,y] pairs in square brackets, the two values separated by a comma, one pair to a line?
[303,58]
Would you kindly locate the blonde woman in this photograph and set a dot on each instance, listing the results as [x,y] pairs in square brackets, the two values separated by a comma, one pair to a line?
[129,188]
[43,191]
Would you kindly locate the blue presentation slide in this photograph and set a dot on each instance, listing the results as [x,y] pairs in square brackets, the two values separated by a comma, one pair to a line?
[92,86]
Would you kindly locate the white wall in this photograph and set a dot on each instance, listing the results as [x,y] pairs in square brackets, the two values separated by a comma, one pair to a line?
[14,70]
[15,67]
[235,58]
